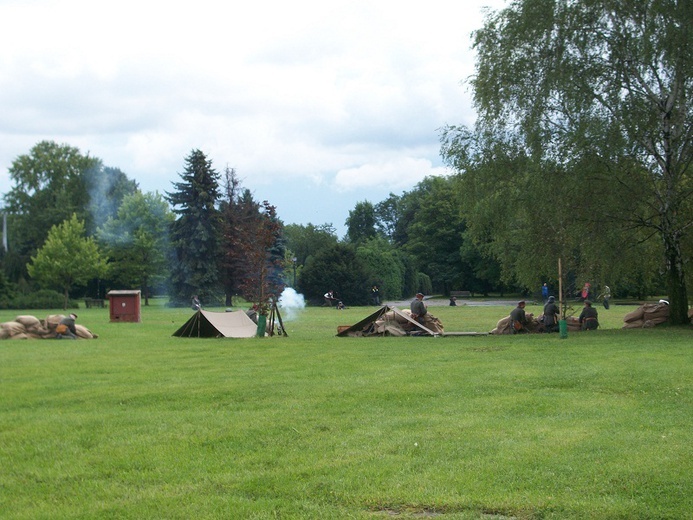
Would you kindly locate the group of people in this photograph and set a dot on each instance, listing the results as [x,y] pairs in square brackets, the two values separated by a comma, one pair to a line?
[589,317]
[330,298]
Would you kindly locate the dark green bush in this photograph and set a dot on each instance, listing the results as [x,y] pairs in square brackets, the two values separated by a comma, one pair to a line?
[43,299]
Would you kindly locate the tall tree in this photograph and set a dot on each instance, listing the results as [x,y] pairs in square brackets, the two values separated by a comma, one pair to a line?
[361,222]
[607,83]
[137,241]
[52,182]
[435,234]
[49,186]
[258,253]
[306,240]
[107,188]
[67,258]
[196,233]
[336,268]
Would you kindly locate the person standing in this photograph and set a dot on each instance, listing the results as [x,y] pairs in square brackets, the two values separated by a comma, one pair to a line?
[418,308]
[329,298]
[585,294]
[606,295]
[545,292]
[375,295]
[589,317]
[551,315]
[196,305]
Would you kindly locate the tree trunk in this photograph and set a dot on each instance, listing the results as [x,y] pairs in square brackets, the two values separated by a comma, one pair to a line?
[66,295]
[676,282]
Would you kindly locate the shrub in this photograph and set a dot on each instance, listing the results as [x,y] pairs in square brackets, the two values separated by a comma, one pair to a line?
[43,299]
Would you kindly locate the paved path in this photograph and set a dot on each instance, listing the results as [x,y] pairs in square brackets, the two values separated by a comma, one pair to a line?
[441,302]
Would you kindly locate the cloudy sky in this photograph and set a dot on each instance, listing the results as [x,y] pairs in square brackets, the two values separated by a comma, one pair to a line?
[318,105]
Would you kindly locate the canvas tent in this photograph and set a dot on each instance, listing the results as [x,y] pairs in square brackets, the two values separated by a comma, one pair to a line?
[206,324]
[390,321]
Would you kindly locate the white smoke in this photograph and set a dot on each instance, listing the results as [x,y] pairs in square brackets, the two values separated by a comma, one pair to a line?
[291,303]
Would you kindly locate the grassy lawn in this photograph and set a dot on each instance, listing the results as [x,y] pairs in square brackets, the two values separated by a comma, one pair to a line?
[137,424]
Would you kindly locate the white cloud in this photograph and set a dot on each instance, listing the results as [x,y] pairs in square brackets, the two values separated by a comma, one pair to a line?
[336,95]
[399,174]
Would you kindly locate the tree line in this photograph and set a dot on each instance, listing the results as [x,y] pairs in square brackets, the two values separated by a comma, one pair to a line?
[581,152]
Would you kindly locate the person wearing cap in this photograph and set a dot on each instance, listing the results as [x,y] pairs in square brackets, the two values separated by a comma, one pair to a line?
[418,308]
[518,318]
[589,317]
[66,328]
[551,314]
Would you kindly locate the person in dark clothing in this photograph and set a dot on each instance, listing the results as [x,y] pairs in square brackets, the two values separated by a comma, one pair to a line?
[518,319]
[418,308]
[453,301]
[329,298]
[588,317]
[66,328]
[551,314]
[375,295]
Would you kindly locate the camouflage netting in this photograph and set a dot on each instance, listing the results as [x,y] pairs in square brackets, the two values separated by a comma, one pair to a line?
[30,327]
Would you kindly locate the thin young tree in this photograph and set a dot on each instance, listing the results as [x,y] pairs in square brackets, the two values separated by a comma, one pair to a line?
[68,258]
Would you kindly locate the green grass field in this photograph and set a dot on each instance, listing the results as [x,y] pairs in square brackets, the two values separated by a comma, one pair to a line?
[137,424]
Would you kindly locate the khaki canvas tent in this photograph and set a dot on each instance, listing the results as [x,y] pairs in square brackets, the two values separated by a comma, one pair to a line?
[388,321]
[206,324]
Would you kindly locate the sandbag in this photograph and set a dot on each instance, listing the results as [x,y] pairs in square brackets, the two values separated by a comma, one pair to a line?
[52,320]
[635,315]
[83,332]
[633,324]
[29,322]
[13,328]
[657,310]
[433,323]
[19,336]
[502,327]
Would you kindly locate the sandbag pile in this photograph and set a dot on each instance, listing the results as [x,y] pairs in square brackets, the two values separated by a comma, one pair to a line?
[30,327]
[647,315]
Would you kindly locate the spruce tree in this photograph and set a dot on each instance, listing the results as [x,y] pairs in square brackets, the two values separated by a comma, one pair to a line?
[196,233]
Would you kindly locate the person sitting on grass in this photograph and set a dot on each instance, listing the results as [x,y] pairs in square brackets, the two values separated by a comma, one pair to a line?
[518,319]
[551,314]
[589,317]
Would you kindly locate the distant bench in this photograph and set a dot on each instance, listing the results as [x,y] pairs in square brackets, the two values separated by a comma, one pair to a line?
[461,294]
[94,302]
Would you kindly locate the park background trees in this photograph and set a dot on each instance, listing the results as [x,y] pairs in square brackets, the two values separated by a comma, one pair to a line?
[593,101]
[581,151]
